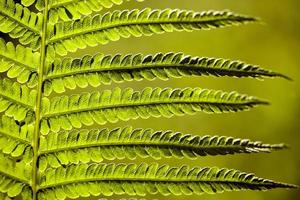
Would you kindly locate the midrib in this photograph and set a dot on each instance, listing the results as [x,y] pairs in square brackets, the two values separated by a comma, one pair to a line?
[153,180]
[36,136]
[94,108]
[157,67]
[192,147]
[120,24]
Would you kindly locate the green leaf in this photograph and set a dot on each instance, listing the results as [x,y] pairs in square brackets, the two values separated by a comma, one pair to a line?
[27,193]
[14,139]
[4,196]
[27,2]
[17,100]
[19,22]
[107,179]
[14,176]
[19,62]
[104,69]
[100,29]
[44,153]
[67,10]
[111,106]
[63,148]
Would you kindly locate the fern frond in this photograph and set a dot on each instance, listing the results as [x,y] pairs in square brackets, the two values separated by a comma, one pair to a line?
[14,139]
[14,176]
[100,29]
[103,69]
[107,179]
[67,112]
[67,10]
[19,62]
[84,146]
[21,23]
[16,100]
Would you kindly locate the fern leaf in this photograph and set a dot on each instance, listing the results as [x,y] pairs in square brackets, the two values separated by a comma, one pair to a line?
[103,69]
[100,29]
[14,139]
[19,62]
[4,196]
[21,23]
[16,100]
[27,194]
[112,105]
[14,177]
[107,179]
[84,146]
[67,10]
[27,2]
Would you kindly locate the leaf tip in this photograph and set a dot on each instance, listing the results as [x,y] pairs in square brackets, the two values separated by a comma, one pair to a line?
[281,146]
[251,19]
[288,186]
[285,77]
[262,102]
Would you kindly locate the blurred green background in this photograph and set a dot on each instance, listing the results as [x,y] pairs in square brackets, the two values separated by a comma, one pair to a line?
[274,45]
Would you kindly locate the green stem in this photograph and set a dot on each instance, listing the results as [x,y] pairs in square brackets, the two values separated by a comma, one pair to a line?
[100,27]
[238,148]
[36,136]
[236,184]
[200,68]
[247,103]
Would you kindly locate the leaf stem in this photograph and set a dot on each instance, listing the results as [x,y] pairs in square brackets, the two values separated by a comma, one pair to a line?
[36,137]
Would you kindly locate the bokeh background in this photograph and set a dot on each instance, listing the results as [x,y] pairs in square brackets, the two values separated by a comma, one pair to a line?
[274,45]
